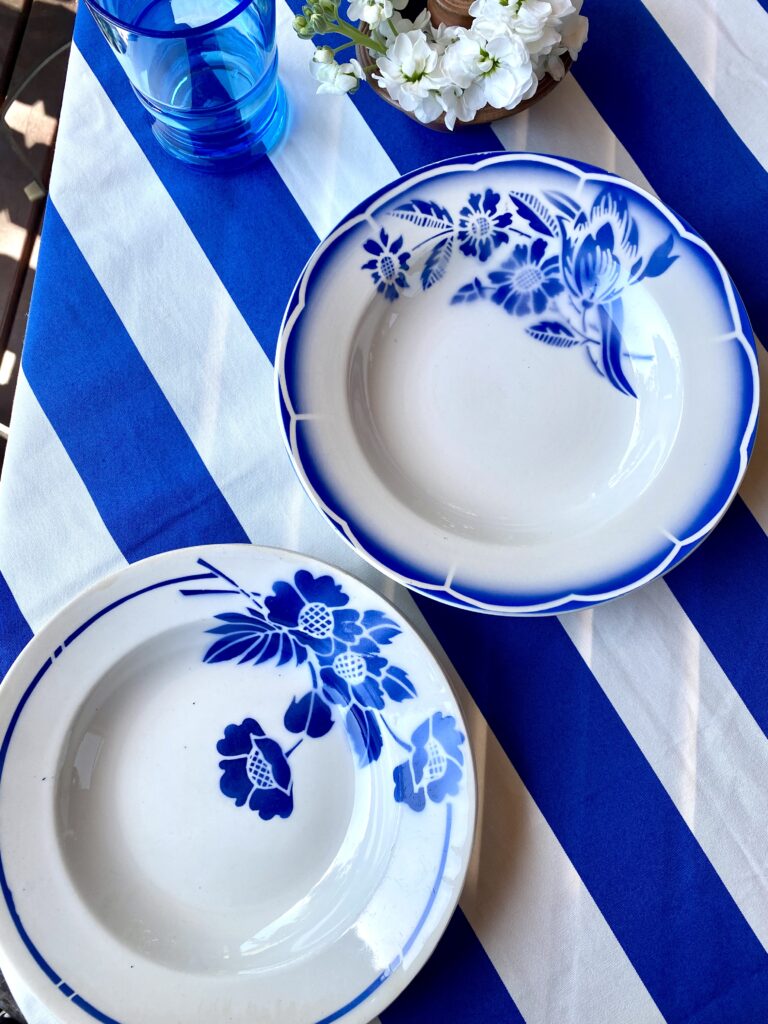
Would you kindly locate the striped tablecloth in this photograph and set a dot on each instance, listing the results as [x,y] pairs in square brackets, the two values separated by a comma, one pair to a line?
[621,874]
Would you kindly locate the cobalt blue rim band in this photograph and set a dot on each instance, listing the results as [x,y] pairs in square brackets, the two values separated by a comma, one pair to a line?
[385,558]
[32,949]
[157,33]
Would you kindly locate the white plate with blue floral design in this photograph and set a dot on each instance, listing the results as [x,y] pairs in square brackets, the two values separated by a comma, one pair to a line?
[234,785]
[517,383]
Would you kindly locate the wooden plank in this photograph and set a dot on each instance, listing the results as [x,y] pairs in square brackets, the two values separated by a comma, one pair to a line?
[13,16]
[10,360]
[31,127]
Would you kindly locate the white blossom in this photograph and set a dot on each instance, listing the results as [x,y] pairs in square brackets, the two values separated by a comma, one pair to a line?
[432,70]
[443,36]
[337,78]
[384,31]
[574,33]
[463,61]
[323,55]
[461,104]
[500,66]
[409,72]
[374,12]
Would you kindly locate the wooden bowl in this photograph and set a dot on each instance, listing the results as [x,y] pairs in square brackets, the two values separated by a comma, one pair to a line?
[454,12]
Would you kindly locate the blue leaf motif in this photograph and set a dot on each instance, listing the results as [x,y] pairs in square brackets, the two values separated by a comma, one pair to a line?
[437,263]
[660,260]
[363,729]
[423,214]
[611,341]
[248,637]
[379,627]
[397,685]
[310,714]
[469,292]
[535,212]
[552,332]
[562,202]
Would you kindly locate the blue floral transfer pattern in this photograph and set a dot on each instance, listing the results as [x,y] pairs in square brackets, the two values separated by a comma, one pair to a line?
[388,264]
[482,225]
[434,769]
[255,770]
[566,272]
[307,621]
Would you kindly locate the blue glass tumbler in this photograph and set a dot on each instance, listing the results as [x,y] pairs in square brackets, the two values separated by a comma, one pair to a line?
[206,70]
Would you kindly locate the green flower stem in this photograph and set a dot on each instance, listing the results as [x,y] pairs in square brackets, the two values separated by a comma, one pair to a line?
[391,25]
[359,38]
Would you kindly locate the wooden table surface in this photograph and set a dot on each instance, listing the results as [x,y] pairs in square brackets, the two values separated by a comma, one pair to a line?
[30,32]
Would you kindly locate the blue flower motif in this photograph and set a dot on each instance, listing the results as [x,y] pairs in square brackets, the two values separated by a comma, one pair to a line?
[589,255]
[481,226]
[388,265]
[526,281]
[600,251]
[255,770]
[434,768]
[313,610]
[363,676]
[306,621]
[351,676]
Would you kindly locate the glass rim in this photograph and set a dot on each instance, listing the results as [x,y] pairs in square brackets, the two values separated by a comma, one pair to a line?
[180,33]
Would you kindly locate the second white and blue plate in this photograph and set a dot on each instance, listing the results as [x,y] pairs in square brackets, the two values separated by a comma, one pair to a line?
[517,384]
[234,786]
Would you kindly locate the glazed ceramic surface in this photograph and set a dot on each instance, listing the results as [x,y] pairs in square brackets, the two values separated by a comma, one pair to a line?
[234,785]
[517,383]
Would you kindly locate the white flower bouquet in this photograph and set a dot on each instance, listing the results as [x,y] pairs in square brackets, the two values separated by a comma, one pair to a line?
[446,72]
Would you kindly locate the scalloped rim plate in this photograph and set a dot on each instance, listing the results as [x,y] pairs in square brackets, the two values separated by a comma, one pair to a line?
[492,421]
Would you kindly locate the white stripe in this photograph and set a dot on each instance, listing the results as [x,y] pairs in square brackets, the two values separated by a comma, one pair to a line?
[567,124]
[320,158]
[544,933]
[723,43]
[692,726]
[177,279]
[54,541]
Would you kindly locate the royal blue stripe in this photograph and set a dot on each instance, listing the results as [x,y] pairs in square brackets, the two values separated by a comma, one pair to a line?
[660,895]
[249,225]
[114,421]
[14,631]
[409,144]
[676,133]
[723,590]
[458,983]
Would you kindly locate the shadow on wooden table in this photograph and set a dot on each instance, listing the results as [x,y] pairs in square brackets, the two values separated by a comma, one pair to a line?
[31,86]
